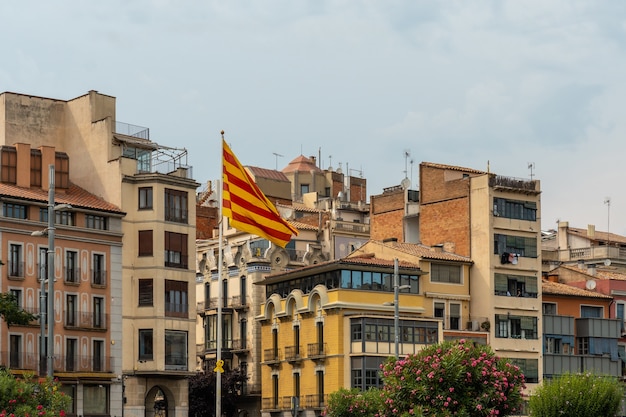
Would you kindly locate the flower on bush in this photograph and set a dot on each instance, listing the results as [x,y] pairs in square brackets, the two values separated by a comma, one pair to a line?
[28,396]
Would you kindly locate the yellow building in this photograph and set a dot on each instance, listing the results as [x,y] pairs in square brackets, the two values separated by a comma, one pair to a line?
[331,325]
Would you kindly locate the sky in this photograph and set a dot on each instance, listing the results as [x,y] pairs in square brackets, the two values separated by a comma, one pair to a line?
[375,87]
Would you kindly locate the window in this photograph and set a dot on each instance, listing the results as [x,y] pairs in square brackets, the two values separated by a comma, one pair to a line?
[619,313]
[145,344]
[95,222]
[583,345]
[142,156]
[98,313]
[445,273]
[225,293]
[455,316]
[98,355]
[516,327]
[553,345]
[16,265]
[71,266]
[296,340]
[304,188]
[62,170]
[175,349]
[64,217]
[515,209]
[591,312]
[520,245]
[35,168]
[274,391]
[8,161]
[296,384]
[440,310]
[515,285]
[145,198]
[243,290]
[365,372]
[43,263]
[95,399]
[529,367]
[176,250]
[98,270]
[145,292]
[549,309]
[176,205]
[71,346]
[320,388]
[70,310]
[17,296]
[15,351]
[70,392]
[176,300]
[15,211]
[243,332]
[145,243]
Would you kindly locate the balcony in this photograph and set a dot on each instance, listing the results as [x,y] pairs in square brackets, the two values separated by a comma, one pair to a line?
[200,307]
[311,401]
[98,278]
[271,356]
[314,401]
[76,363]
[86,320]
[71,275]
[513,184]
[239,303]
[317,350]
[292,353]
[350,227]
[240,346]
[15,270]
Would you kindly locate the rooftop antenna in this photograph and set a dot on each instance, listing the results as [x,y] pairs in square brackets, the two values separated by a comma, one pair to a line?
[411,177]
[407,153]
[607,201]
[330,162]
[277,155]
[531,166]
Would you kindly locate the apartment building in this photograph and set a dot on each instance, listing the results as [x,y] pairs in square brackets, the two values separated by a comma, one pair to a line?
[87,321]
[495,221]
[331,325]
[152,185]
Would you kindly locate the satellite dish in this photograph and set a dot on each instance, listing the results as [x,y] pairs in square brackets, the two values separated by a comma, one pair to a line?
[607,262]
[590,285]
[405,184]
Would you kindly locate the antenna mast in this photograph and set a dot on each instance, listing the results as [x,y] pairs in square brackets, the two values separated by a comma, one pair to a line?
[277,155]
[531,166]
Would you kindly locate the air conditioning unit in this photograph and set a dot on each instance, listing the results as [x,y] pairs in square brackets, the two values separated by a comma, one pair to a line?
[475,325]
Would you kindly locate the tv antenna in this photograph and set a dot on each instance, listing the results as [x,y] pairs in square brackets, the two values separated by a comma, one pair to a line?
[607,201]
[531,167]
[277,155]
[407,153]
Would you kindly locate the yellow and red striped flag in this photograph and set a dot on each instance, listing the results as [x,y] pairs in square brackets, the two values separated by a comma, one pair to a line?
[247,207]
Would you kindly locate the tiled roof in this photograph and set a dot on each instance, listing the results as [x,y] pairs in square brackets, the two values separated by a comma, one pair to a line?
[599,236]
[423,251]
[556,288]
[302,226]
[74,195]
[301,163]
[300,207]
[267,173]
[601,273]
[452,167]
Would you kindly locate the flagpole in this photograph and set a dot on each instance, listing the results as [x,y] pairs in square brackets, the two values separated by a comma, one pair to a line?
[218,362]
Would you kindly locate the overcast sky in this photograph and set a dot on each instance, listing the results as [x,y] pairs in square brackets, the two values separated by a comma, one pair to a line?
[468,83]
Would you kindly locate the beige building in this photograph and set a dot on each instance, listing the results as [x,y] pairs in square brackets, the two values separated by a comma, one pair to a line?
[495,221]
[152,185]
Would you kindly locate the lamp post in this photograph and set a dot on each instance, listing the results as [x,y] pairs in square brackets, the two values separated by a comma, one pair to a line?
[396,306]
[50,253]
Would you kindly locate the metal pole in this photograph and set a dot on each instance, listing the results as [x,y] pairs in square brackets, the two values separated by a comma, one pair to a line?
[50,353]
[220,268]
[396,312]
[42,317]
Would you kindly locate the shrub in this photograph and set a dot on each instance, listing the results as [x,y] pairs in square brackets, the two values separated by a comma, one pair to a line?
[31,397]
[577,395]
[452,378]
[351,402]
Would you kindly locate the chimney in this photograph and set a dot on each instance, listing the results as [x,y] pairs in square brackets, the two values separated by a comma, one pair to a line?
[449,247]
[591,269]
[23,164]
[581,264]
[591,231]
[553,277]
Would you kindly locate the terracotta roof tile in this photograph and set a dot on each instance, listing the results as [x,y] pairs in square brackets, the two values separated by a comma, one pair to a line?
[74,195]
[599,236]
[267,173]
[556,288]
[300,207]
[302,226]
[601,273]
[301,163]
[423,251]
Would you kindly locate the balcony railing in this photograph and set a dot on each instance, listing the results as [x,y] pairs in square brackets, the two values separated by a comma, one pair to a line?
[176,310]
[351,227]
[86,320]
[239,302]
[317,350]
[510,182]
[293,353]
[240,344]
[72,275]
[98,277]
[15,270]
[271,355]
[62,363]
[315,401]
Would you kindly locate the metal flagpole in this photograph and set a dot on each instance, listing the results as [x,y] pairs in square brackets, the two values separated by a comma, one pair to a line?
[218,363]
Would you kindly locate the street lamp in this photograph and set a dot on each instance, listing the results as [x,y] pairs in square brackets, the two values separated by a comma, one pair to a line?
[52,209]
[396,306]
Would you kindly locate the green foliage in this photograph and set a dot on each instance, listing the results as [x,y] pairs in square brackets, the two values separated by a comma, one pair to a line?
[448,379]
[577,395]
[11,311]
[31,397]
[202,392]
[350,402]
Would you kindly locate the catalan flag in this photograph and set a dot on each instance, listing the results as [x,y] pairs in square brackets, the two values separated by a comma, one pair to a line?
[247,207]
